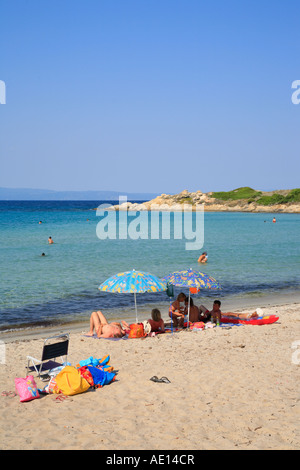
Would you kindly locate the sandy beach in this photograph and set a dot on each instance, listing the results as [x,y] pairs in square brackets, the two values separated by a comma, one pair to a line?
[234,388]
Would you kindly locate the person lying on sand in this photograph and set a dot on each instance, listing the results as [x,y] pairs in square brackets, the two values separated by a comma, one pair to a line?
[216,313]
[103,329]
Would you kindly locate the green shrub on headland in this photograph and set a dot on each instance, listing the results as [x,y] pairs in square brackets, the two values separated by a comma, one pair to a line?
[270,200]
[293,196]
[256,196]
[239,193]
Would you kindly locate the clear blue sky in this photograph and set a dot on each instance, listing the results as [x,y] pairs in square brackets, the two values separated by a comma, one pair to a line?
[149,95]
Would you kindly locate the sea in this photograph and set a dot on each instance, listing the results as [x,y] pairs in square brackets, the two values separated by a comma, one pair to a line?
[254,259]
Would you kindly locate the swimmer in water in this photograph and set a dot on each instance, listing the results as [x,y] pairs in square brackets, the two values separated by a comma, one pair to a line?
[203,258]
[50,241]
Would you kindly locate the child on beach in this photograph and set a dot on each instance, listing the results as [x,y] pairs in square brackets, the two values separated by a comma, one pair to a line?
[103,329]
[156,322]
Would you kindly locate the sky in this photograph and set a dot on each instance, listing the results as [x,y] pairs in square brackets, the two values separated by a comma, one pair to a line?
[149,95]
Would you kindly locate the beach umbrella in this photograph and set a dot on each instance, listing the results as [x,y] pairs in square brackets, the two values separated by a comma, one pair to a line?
[191,279]
[133,282]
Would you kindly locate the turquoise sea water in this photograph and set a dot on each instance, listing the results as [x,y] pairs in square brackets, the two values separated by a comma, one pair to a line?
[247,253]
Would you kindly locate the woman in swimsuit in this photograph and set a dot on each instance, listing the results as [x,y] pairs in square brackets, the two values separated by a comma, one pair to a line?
[104,329]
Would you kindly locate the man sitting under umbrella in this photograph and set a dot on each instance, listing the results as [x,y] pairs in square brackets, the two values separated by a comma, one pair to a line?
[103,329]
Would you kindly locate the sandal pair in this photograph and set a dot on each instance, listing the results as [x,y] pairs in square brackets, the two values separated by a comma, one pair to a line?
[8,394]
[161,380]
[60,398]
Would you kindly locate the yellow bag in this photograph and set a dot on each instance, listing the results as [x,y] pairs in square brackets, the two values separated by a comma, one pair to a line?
[70,382]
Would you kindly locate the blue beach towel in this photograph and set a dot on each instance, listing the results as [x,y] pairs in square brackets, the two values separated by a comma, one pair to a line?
[101,377]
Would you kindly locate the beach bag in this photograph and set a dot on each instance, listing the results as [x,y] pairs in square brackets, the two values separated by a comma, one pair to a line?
[70,382]
[170,290]
[136,330]
[86,374]
[26,388]
[147,327]
[52,386]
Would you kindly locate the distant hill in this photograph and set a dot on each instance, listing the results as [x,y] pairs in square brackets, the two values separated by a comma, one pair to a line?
[23,194]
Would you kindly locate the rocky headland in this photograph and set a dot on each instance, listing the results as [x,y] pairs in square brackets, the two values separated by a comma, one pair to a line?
[238,200]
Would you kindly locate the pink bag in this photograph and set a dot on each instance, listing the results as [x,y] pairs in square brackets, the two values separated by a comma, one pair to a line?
[27,388]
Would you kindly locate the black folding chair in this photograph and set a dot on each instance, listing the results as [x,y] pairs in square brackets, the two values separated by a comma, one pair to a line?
[55,346]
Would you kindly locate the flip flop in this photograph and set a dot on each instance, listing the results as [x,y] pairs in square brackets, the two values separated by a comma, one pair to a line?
[154,379]
[61,398]
[165,380]
[161,380]
[8,394]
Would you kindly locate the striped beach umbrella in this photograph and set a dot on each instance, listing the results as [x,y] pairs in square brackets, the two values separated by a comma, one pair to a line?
[133,282]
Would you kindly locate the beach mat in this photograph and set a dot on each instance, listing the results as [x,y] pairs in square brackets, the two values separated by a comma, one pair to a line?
[265,320]
[110,339]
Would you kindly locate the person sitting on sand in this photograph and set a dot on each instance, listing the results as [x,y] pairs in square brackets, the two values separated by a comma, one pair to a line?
[177,309]
[203,258]
[215,313]
[156,322]
[194,311]
[103,329]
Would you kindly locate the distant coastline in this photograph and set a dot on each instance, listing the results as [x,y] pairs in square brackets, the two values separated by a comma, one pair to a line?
[243,199]
[25,194]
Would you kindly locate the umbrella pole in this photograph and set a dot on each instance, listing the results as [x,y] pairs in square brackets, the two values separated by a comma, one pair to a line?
[136,315]
[188,322]
[171,316]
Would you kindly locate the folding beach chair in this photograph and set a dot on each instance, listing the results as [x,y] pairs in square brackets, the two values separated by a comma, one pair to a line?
[51,350]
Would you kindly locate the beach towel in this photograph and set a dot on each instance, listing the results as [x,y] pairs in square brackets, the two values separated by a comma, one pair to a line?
[111,339]
[101,377]
[91,361]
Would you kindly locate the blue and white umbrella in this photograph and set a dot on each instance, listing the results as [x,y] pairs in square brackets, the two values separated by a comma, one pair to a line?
[133,282]
[190,278]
